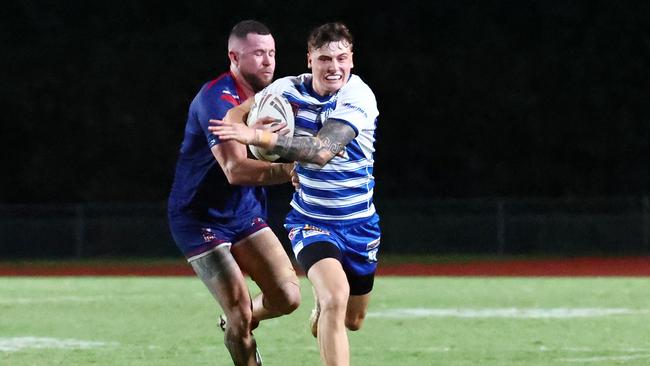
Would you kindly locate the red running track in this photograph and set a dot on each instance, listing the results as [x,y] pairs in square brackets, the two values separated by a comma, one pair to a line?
[566,267]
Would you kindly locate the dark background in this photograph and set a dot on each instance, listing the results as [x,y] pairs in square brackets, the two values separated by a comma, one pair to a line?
[477,98]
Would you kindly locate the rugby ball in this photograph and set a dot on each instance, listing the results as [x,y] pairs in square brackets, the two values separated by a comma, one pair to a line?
[270,105]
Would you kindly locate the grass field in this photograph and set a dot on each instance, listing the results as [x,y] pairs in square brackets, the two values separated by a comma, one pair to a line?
[412,321]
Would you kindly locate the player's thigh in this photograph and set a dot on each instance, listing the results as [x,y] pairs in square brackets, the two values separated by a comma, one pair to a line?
[329,281]
[222,276]
[264,259]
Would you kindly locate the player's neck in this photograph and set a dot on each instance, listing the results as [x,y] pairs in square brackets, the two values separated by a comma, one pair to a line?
[244,89]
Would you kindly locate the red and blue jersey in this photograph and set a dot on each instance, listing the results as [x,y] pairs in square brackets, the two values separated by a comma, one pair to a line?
[200,187]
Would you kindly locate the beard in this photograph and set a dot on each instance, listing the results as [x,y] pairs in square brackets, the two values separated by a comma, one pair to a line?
[256,82]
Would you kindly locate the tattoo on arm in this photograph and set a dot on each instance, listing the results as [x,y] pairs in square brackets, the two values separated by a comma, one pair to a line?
[331,139]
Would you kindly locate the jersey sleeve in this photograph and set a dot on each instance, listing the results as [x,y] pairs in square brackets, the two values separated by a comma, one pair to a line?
[280,86]
[212,105]
[357,107]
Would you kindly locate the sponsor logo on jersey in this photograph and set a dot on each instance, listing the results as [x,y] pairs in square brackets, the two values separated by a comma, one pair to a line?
[293,233]
[213,140]
[229,97]
[372,255]
[308,227]
[315,228]
[373,244]
[310,230]
[354,107]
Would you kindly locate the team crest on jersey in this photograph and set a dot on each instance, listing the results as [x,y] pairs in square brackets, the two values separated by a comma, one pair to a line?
[208,235]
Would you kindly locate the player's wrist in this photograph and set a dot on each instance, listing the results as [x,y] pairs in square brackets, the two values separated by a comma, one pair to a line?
[264,139]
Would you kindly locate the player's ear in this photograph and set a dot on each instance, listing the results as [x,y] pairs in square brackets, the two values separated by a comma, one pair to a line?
[234,58]
[308,61]
[351,60]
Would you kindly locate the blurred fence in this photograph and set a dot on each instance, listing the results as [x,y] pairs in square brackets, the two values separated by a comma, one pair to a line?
[609,226]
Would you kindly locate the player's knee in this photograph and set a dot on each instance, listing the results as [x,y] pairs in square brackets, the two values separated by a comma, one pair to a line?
[285,300]
[354,321]
[288,299]
[334,301]
[291,297]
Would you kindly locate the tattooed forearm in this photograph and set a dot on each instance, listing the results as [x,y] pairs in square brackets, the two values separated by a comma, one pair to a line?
[297,148]
[331,140]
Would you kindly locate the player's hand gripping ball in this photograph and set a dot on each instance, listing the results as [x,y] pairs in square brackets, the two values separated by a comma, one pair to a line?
[274,106]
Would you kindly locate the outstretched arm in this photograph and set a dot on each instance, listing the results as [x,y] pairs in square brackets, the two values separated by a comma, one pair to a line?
[319,149]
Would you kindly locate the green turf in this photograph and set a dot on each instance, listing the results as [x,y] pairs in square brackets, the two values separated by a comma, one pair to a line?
[171,321]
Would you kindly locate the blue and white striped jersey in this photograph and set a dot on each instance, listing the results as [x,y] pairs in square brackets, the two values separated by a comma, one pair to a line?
[341,190]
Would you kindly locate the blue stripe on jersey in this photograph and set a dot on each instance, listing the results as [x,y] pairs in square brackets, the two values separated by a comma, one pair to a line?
[291,98]
[324,175]
[354,151]
[338,193]
[306,124]
[302,89]
[334,211]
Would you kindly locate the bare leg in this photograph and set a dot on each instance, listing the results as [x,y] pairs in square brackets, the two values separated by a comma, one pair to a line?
[332,290]
[222,276]
[354,316]
[356,312]
[262,256]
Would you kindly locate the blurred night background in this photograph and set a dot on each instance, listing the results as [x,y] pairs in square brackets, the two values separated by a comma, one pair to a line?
[526,121]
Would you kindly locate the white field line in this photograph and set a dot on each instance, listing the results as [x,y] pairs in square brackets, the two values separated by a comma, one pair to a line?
[517,313]
[605,358]
[49,300]
[432,350]
[592,350]
[80,299]
[13,344]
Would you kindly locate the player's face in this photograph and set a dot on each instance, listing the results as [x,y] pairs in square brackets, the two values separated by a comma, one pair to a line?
[330,66]
[257,60]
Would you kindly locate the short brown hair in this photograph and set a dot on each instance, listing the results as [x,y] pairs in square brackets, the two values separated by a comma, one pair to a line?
[329,32]
[245,27]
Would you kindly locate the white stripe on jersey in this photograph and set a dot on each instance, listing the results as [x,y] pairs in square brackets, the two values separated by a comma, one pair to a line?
[344,190]
[337,165]
[333,184]
[335,202]
[315,215]
[307,114]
